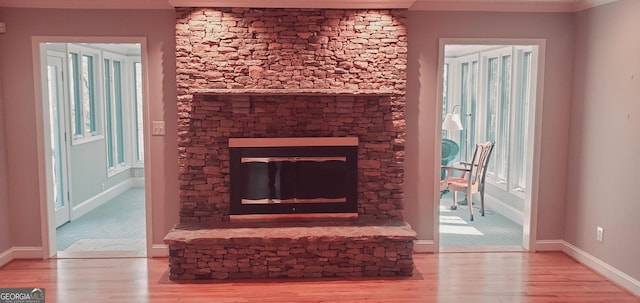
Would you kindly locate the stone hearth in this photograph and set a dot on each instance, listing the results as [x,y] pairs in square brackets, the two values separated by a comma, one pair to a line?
[290,251]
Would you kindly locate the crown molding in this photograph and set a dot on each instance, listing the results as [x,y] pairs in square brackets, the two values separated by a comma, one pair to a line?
[88,4]
[419,5]
[341,4]
[587,4]
[551,6]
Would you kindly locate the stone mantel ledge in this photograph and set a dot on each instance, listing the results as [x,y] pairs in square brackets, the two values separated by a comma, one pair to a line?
[291,92]
[195,233]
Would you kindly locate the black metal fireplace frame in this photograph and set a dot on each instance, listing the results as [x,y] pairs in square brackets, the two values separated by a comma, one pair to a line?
[350,206]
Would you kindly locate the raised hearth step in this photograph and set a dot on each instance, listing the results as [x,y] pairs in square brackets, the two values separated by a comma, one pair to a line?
[290,251]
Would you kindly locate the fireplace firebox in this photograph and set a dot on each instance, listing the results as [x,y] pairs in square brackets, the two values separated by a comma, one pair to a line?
[293,175]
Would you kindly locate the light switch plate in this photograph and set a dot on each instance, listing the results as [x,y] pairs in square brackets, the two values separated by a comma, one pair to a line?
[3,27]
[157,128]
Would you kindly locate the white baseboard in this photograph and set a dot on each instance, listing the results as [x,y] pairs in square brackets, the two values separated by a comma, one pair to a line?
[99,199]
[504,209]
[137,182]
[612,273]
[21,252]
[159,251]
[623,280]
[424,246]
[6,257]
[549,245]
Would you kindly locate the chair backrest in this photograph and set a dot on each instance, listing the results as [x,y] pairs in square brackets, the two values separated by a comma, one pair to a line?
[479,163]
[486,165]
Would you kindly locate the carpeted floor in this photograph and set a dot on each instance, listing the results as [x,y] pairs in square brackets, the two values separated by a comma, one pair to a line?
[491,230]
[117,224]
[106,245]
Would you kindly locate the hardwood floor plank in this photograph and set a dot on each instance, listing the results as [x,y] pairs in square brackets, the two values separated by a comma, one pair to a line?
[446,277]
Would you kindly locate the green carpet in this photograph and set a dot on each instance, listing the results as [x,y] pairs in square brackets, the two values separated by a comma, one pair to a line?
[491,230]
[122,217]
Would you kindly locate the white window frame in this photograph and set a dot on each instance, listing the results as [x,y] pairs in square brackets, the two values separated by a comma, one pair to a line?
[137,111]
[84,136]
[529,93]
[452,97]
[467,136]
[126,115]
[482,108]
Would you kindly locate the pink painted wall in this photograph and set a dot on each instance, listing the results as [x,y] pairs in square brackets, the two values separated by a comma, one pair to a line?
[425,30]
[19,105]
[604,144]
[5,226]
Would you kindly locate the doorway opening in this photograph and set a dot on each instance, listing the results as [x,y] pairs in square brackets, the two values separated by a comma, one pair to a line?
[93,104]
[489,94]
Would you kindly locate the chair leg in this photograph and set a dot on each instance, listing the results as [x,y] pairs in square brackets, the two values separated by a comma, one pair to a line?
[470,204]
[454,206]
[482,203]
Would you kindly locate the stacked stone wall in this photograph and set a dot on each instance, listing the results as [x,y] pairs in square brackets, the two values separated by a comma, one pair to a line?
[290,50]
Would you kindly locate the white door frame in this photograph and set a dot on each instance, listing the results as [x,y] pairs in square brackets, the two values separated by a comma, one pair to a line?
[62,215]
[530,219]
[47,215]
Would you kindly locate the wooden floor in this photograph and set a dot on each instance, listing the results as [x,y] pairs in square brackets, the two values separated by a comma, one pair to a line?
[445,277]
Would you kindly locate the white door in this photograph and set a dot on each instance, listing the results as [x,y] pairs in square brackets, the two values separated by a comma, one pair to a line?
[55,96]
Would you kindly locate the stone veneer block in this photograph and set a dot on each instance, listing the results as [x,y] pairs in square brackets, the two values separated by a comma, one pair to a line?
[200,252]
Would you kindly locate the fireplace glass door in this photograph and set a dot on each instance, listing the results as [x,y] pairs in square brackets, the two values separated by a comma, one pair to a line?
[294,180]
[272,180]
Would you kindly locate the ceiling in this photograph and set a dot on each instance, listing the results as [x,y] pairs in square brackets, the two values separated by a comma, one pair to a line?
[444,5]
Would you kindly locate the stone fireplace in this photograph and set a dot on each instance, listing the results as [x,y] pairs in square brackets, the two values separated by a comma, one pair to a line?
[287,74]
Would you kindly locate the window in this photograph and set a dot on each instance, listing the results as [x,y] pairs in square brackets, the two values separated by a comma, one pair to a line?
[114,112]
[459,96]
[502,140]
[137,74]
[470,128]
[468,97]
[498,103]
[491,101]
[108,113]
[445,90]
[83,92]
[445,94]
[521,120]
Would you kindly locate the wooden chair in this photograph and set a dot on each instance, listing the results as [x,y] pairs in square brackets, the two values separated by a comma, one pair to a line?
[472,179]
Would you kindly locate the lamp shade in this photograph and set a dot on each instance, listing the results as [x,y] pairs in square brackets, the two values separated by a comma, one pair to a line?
[452,122]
